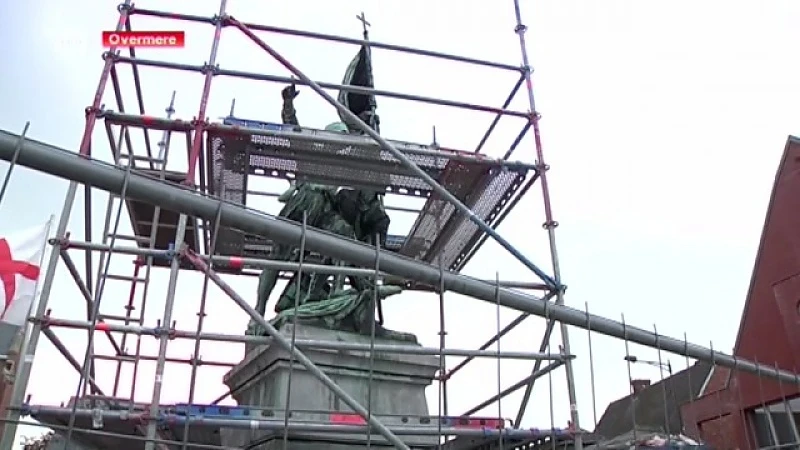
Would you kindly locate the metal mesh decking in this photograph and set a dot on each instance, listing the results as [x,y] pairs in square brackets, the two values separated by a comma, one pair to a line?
[279,151]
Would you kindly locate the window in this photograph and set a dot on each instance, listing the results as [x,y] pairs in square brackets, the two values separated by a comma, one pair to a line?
[762,429]
[777,426]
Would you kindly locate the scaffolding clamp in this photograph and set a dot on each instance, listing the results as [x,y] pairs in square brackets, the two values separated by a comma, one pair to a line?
[160,331]
[170,253]
[109,55]
[97,418]
[209,68]
[224,19]
[196,360]
[62,243]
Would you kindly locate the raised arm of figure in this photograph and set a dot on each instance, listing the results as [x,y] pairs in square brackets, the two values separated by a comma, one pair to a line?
[288,113]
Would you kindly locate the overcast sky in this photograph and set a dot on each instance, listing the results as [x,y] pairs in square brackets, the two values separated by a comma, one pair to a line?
[663,123]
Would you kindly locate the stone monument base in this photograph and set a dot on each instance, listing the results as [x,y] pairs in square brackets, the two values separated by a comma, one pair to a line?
[261,381]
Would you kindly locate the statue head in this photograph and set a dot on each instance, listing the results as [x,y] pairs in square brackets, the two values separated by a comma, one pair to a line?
[337,127]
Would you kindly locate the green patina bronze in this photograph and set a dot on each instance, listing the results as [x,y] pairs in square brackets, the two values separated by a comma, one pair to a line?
[352,213]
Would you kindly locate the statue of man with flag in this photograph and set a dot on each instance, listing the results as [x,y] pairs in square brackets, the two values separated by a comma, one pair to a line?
[357,213]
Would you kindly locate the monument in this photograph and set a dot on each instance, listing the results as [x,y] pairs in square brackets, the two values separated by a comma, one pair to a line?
[315,306]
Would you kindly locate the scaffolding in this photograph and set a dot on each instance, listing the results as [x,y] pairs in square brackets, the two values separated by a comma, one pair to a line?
[466,196]
[198,220]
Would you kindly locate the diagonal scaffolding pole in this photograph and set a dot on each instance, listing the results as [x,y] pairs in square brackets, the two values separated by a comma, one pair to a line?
[288,346]
[405,160]
[59,162]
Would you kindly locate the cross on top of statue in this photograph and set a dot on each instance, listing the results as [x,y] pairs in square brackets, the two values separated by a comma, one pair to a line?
[363,19]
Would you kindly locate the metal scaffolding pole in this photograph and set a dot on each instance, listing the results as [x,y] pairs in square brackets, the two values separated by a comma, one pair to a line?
[550,224]
[182,126]
[296,426]
[513,388]
[200,120]
[408,163]
[287,266]
[333,86]
[296,353]
[24,369]
[59,162]
[48,322]
[163,339]
[332,38]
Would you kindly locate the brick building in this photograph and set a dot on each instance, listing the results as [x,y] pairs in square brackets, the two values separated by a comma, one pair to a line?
[741,411]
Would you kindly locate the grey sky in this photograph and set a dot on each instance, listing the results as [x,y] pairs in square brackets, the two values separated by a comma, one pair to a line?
[663,123]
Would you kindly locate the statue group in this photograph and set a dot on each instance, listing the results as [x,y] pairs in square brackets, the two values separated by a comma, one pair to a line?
[317,298]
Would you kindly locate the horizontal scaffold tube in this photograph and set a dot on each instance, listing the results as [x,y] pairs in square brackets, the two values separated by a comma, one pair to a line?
[295,426]
[237,261]
[302,343]
[330,38]
[139,62]
[164,124]
[59,162]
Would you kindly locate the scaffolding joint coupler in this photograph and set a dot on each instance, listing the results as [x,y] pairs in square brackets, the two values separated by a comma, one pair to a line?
[169,332]
[170,254]
[61,243]
[550,224]
[98,112]
[213,69]
[126,8]
[202,123]
[541,167]
[109,55]
[520,28]
[224,19]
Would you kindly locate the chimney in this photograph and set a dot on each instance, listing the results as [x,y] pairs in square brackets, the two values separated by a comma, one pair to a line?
[638,386]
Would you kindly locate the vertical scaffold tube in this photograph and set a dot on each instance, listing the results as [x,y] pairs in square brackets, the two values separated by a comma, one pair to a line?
[26,361]
[550,225]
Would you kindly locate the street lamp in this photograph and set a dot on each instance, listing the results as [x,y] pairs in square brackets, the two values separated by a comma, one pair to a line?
[663,366]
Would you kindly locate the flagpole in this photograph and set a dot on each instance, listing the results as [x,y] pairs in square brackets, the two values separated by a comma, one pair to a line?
[37,294]
[26,351]
[370,77]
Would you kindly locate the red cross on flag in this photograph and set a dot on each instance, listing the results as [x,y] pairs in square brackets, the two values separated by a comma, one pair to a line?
[20,259]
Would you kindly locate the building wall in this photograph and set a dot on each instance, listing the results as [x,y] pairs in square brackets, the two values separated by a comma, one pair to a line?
[7,377]
[721,431]
[769,332]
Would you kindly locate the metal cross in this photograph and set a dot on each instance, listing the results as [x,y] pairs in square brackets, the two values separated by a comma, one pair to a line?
[363,19]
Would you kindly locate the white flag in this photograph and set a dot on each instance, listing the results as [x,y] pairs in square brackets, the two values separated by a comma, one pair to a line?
[20,258]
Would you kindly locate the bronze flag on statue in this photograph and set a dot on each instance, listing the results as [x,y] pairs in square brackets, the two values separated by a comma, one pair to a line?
[359,73]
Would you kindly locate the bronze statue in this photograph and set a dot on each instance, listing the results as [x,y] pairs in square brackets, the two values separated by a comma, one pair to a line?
[353,213]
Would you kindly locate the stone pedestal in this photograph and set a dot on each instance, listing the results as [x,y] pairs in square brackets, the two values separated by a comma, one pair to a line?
[261,380]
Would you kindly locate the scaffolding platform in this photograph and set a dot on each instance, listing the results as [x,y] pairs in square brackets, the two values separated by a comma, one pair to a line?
[248,148]
[210,424]
[143,214]
[237,149]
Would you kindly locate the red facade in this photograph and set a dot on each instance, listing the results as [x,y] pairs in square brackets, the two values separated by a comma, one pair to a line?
[769,331]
